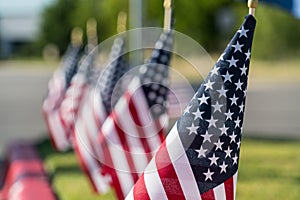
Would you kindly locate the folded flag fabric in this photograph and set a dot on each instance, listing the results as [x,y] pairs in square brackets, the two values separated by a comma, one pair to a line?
[76,91]
[199,158]
[134,130]
[57,88]
[97,105]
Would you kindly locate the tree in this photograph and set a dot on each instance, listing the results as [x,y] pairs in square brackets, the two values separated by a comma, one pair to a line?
[57,23]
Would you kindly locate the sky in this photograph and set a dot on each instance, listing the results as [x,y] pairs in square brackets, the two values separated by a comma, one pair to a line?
[21,7]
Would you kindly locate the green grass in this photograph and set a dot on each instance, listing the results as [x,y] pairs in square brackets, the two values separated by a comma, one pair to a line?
[68,181]
[268,170]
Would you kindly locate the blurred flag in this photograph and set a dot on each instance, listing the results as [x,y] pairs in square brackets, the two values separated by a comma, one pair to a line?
[97,105]
[57,87]
[135,129]
[199,158]
[74,95]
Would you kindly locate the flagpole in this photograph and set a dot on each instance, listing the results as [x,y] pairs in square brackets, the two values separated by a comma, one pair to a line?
[91,30]
[252,4]
[76,37]
[122,20]
[135,16]
[168,14]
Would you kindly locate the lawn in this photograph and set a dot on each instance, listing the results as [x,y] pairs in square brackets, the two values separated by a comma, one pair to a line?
[268,170]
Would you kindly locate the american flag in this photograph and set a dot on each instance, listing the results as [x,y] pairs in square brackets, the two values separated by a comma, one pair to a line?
[199,158]
[135,129]
[57,87]
[96,107]
[76,91]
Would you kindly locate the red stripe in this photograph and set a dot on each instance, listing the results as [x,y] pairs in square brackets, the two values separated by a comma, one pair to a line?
[229,189]
[160,129]
[80,102]
[99,121]
[53,141]
[46,114]
[140,190]
[167,174]
[125,146]
[83,163]
[108,167]
[209,195]
[139,127]
[64,125]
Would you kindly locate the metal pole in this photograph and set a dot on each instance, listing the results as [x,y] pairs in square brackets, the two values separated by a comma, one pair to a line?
[252,4]
[135,39]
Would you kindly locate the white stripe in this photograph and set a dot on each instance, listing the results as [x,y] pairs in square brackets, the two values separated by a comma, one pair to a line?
[98,116]
[181,165]
[101,183]
[81,136]
[118,156]
[235,179]
[57,131]
[151,133]
[130,195]
[89,120]
[219,192]
[98,107]
[296,8]
[92,130]
[128,126]
[153,183]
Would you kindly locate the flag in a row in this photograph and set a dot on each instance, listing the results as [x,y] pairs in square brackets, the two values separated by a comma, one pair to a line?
[199,158]
[119,135]
[134,130]
[57,89]
[97,106]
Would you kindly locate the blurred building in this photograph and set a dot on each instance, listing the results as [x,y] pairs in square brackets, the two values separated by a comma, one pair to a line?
[19,23]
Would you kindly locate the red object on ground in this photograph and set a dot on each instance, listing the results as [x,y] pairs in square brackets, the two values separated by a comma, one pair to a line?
[25,177]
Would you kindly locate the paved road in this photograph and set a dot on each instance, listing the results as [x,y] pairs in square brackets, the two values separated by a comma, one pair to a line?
[21,92]
[272,109]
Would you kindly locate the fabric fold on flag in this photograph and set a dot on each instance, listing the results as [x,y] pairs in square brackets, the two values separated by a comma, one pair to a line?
[134,130]
[57,88]
[199,158]
[97,105]
[75,93]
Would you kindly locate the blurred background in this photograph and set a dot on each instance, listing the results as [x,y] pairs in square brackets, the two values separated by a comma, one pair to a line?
[34,34]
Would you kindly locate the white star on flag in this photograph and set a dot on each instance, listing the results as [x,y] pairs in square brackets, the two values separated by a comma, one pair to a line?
[234,100]
[208,85]
[206,137]
[239,85]
[193,129]
[203,99]
[243,32]
[201,152]
[232,62]
[227,77]
[208,175]
[238,47]
[248,55]
[222,92]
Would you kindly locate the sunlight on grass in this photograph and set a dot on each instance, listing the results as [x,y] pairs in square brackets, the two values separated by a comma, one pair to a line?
[267,170]
[68,180]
